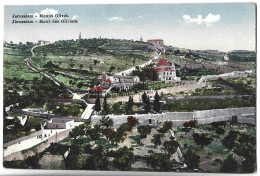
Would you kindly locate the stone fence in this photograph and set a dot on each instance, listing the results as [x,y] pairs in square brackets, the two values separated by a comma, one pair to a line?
[207,97]
[20,156]
[22,138]
[234,74]
[179,118]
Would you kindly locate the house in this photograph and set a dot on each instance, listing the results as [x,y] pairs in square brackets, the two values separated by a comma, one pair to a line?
[166,71]
[118,81]
[59,123]
[43,42]
[97,91]
[156,42]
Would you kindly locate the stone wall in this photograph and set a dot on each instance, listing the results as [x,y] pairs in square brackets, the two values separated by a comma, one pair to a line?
[178,118]
[22,138]
[234,74]
[40,148]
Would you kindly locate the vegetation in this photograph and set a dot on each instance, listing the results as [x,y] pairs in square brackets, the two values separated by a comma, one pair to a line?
[230,165]
[13,129]
[207,104]
[144,130]
[202,139]
[159,161]
[191,159]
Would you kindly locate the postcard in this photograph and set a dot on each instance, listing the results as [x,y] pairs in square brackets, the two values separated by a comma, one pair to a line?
[130,87]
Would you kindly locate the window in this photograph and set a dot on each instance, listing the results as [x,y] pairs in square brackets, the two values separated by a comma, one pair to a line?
[150,121]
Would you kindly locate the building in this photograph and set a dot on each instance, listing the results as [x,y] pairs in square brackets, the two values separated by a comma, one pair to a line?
[43,42]
[118,81]
[79,37]
[97,91]
[59,123]
[166,71]
[158,42]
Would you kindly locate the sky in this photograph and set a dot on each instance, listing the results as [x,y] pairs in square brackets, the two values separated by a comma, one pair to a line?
[220,26]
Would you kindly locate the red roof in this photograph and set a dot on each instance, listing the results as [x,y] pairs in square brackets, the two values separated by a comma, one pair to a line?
[98,89]
[163,62]
[163,69]
[108,80]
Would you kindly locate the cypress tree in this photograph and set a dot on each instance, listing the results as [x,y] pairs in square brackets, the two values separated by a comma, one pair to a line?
[147,105]
[130,104]
[105,104]
[97,104]
[144,98]
[156,104]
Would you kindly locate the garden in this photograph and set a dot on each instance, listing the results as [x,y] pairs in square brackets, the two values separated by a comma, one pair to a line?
[216,141]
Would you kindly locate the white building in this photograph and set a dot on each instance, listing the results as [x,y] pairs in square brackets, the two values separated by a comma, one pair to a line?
[59,123]
[166,71]
[43,42]
[118,81]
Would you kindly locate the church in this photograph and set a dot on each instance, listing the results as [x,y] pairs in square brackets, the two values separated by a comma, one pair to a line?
[166,71]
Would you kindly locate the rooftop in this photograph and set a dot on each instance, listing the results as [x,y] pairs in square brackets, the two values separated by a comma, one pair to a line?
[98,89]
[163,61]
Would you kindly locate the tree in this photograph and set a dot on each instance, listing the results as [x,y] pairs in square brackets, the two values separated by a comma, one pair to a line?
[132,121]
[191,159]
[229,140]
[144,98]
[76,132]
[124,158]
[95,62]
[157,139]
[167,125]
[159,161]
[80,84]
[116,107]
[219,131]
[119,136]
[229,165]
[188,125]
[90,68]
[144,130]
[108,133]
[218,124]
[58,149]
[156,104]
[95,133]
[129,107]
[202,139]
[98,159]
[111,68]
[171,146]
[106,121]
[75,159]
[80,67]
[147,106]
[248,166]
[97,104]
[44,55]
[105,104]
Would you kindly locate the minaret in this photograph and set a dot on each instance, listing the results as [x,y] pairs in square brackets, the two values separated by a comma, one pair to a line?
[80,36]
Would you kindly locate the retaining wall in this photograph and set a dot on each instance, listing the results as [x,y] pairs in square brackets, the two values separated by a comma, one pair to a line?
[22,138]
[40,148]
[178,118]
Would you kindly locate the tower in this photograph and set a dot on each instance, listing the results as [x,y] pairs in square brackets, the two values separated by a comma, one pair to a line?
[80,36]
